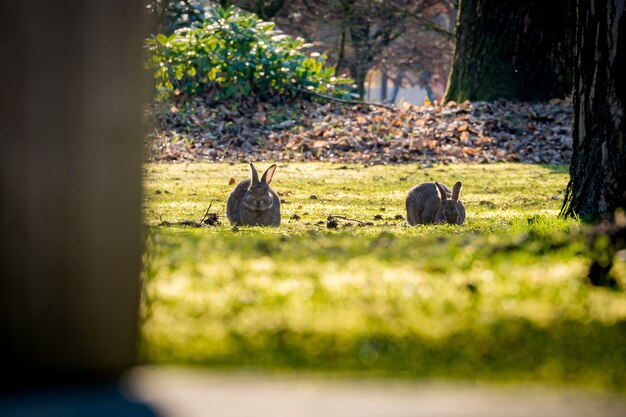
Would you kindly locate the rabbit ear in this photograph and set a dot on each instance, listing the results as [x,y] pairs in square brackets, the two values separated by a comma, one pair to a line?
[255,175]
[456,190]
[442,191]
[268,174]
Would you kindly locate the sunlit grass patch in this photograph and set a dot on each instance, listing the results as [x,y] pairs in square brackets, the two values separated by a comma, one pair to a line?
[494,195]
[504,297]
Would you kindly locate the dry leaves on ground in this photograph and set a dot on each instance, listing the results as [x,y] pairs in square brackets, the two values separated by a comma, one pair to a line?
[305,131]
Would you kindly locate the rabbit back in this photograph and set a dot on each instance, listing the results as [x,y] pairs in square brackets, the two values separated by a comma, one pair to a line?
[235,200]
[423,204]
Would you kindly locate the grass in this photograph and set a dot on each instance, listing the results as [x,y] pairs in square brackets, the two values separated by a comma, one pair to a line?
[495,195]
[504,297]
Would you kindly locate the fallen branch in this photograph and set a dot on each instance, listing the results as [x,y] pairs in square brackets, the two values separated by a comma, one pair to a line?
[345,101]
[360,222]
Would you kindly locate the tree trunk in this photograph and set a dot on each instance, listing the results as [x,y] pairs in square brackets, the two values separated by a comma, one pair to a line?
[359,38]
[397,83]
[598,168]
[71,128]
[358,75]
[518,50]
[384,79]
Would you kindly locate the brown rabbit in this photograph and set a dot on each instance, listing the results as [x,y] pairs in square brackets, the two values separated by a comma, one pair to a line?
[253,202]
[433,202]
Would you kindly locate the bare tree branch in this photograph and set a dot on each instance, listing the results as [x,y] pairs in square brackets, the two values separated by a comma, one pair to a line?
[423,21]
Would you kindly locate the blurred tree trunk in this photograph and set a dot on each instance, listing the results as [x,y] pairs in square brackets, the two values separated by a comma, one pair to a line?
[452,13]
[397,83]
[359,29]
[520,50]
[384,79]
[71,127]
[598,168]
[367,42]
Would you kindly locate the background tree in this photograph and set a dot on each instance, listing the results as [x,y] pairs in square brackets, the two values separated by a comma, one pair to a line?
[359,35]
[165,16]
[518,50]
[598,168]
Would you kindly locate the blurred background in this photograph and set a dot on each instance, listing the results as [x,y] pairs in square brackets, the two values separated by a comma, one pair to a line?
[73,117]
[394,50]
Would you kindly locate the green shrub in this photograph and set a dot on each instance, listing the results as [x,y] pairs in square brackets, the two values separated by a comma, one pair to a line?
[232,54]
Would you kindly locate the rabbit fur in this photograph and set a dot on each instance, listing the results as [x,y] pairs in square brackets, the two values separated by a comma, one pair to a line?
[433,202]
[253,202]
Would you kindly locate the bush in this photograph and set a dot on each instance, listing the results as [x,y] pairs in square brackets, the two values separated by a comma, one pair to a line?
[233,54]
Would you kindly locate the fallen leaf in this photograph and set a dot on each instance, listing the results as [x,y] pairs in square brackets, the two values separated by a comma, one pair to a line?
[260,117]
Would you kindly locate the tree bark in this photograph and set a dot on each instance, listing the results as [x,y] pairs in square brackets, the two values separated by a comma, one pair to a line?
[517,50]
[359,29]
[598,169]
[71,129]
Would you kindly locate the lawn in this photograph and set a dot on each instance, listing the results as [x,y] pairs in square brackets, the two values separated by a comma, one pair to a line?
[503,298]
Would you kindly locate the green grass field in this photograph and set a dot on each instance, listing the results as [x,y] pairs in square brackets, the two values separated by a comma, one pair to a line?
[503,298]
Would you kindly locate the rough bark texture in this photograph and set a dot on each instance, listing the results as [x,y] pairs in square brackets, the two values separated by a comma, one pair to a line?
[70,123]
[598,168]
[518,50]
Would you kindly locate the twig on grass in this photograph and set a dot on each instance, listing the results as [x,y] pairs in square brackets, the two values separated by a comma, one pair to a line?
[206,213]
[360,222]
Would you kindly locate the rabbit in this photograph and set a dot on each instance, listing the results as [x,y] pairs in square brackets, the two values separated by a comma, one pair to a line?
[253,202]
[433,202]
